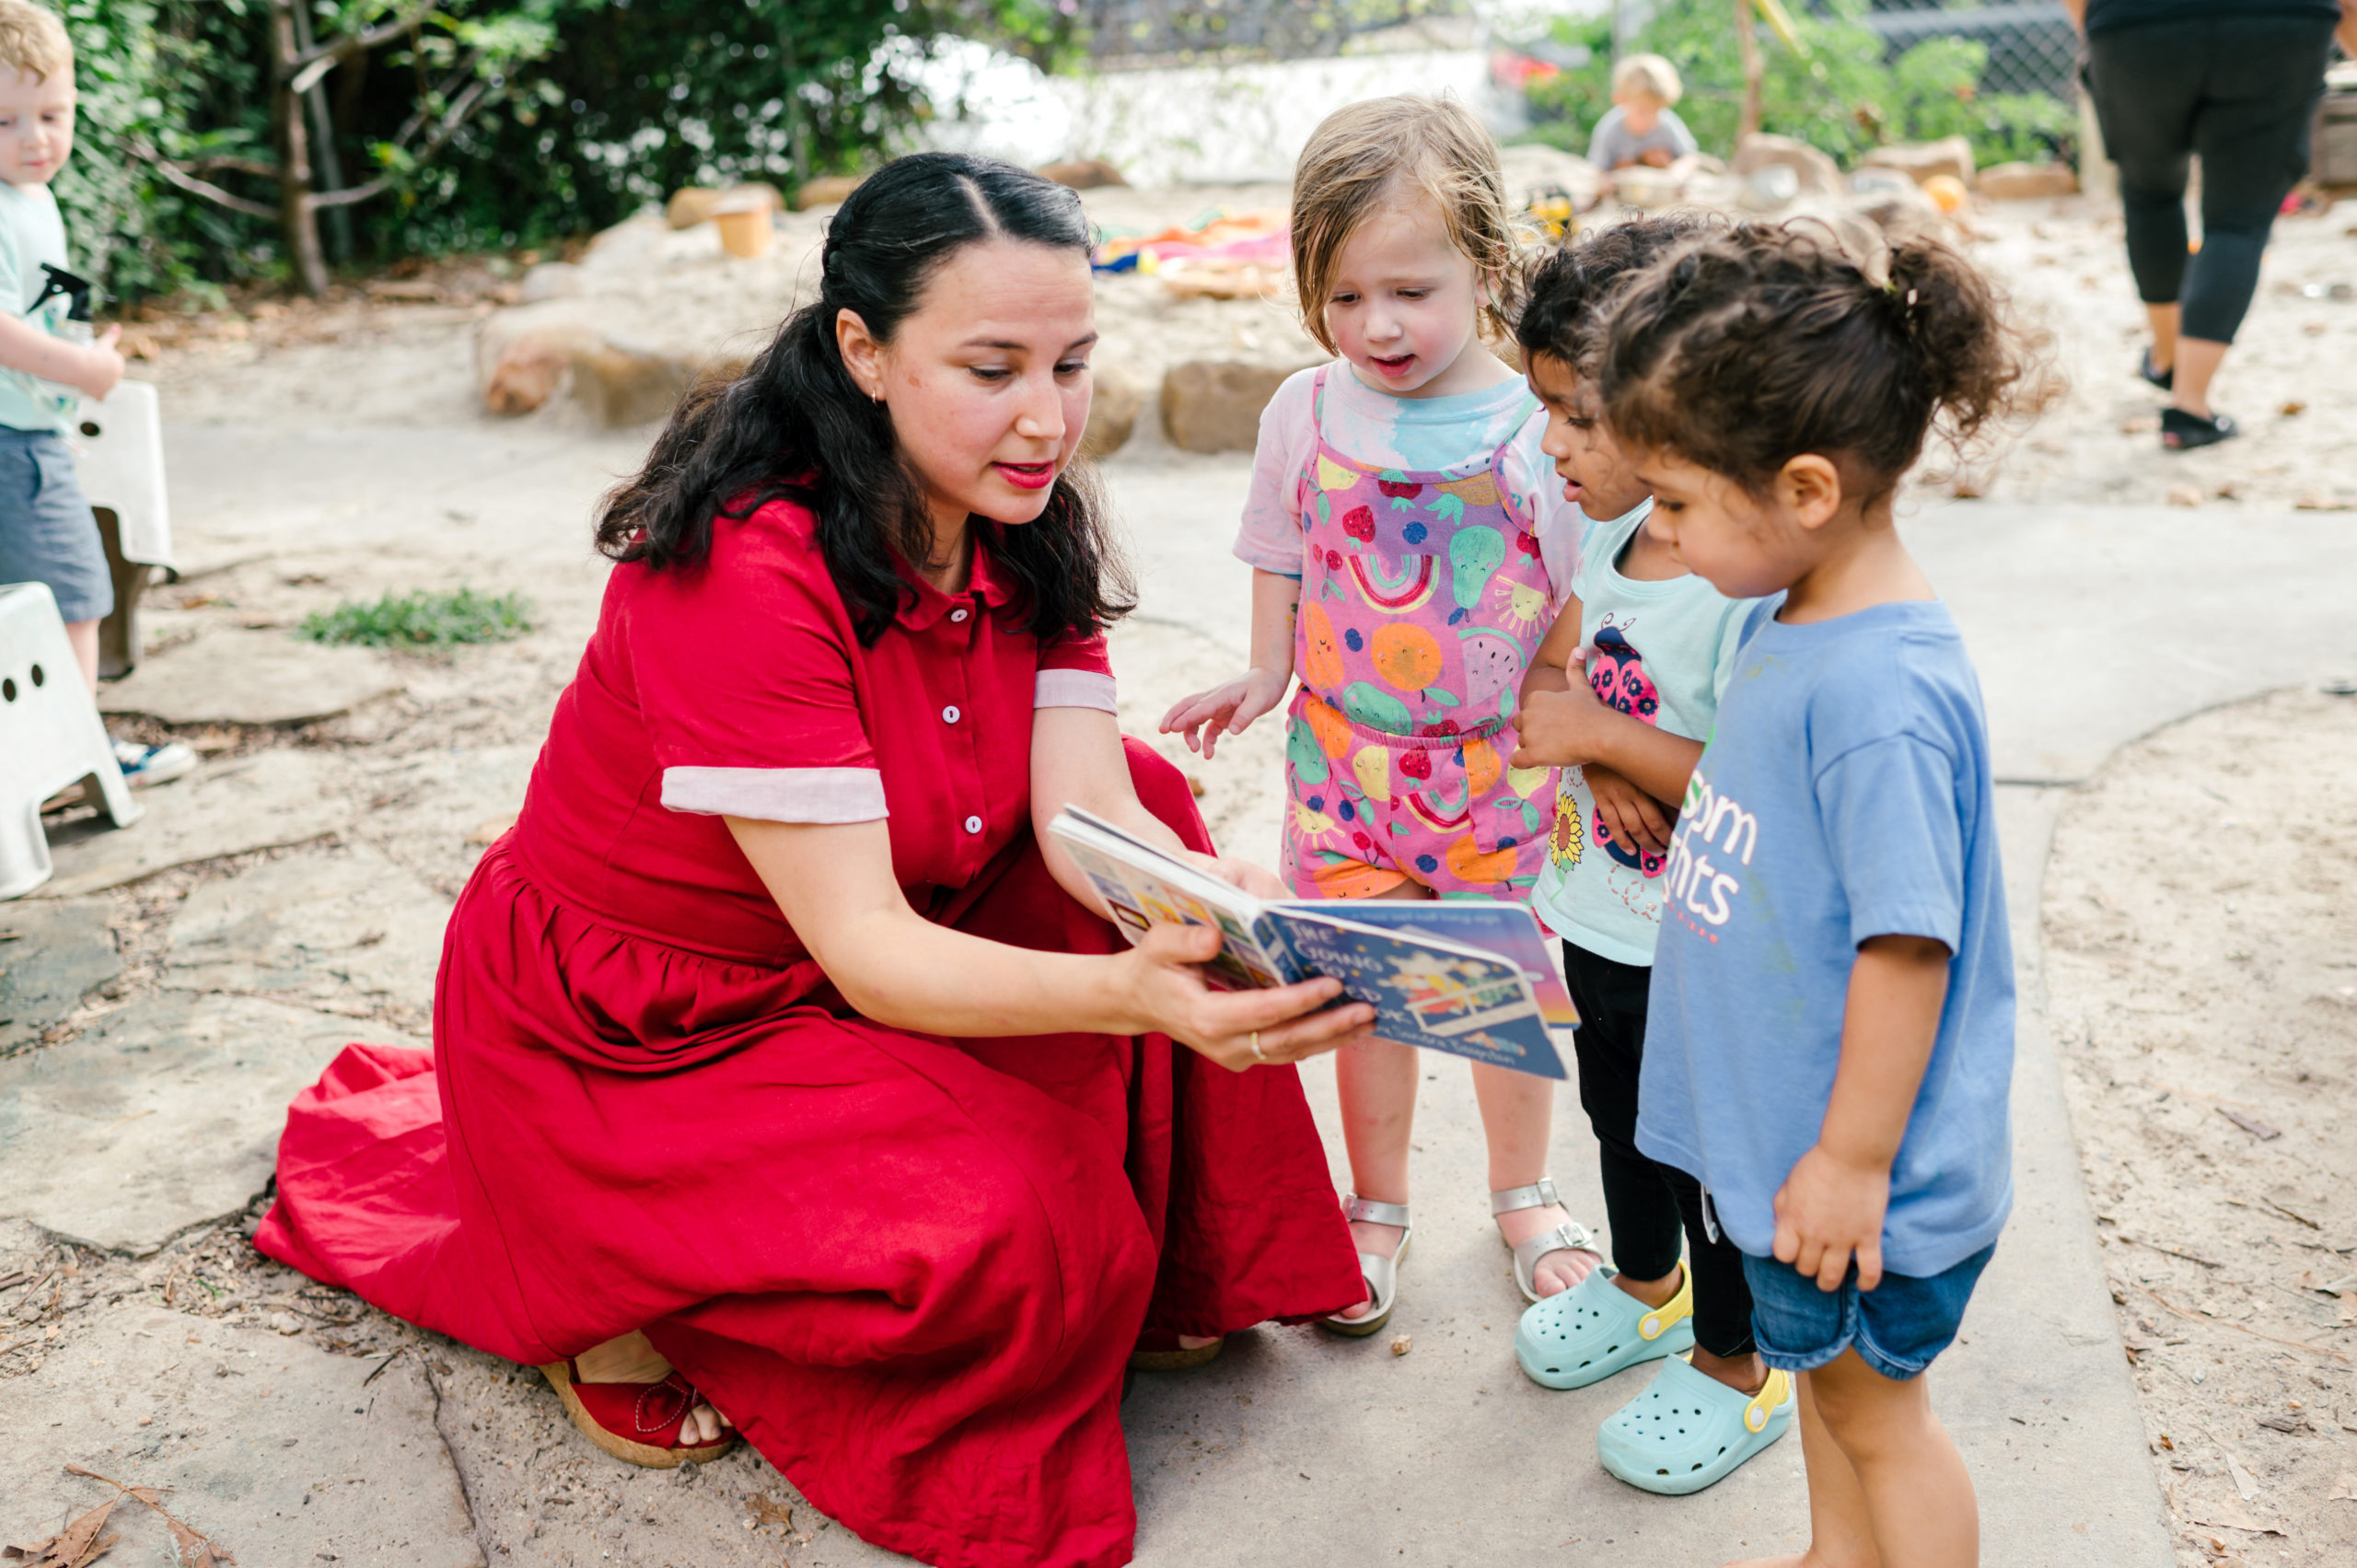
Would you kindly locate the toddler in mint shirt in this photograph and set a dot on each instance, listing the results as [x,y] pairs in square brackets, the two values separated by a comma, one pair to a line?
[1621,695]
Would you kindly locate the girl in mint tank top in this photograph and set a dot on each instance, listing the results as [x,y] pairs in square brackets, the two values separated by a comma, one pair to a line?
[1409,550]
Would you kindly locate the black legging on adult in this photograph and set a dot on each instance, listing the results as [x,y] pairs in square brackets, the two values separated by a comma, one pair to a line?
[2241,91]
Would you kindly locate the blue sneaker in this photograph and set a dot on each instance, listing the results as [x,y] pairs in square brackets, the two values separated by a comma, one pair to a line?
[145,765]
[1689,1430]
[1594,1329]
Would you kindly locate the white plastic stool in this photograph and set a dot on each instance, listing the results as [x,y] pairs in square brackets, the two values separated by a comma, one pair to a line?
[119,457]
[51,735]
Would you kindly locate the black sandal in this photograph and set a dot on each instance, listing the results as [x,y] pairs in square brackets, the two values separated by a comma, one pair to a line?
[2181,432]
[2165,379]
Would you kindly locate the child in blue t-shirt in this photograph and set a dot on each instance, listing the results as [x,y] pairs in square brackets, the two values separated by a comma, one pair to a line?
[1621,695]
[1832,1032]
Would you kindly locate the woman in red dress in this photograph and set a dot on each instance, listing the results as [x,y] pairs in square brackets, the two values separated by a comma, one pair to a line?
[782,1077]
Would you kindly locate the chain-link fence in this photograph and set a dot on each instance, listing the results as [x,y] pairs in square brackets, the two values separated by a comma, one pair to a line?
[1184,30]
[2032,45]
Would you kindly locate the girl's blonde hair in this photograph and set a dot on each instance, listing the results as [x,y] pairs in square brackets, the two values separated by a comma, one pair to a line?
[1364,153]
[1650,75]
[32,39]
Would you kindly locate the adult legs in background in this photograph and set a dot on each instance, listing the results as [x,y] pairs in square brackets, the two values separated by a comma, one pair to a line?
[2241,92]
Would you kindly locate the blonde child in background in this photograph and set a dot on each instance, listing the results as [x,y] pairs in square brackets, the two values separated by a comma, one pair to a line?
[1622,694]
[48,533]
[1642,130]
[1831,1038]
[1408,541]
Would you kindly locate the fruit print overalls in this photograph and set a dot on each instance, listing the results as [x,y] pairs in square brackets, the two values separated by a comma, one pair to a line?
[1422,596]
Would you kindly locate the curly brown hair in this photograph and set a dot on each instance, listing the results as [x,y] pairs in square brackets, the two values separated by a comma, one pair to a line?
[1567,294]
[1750,348]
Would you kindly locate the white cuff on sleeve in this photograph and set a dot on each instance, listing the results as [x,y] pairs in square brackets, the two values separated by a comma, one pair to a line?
[1074,688]
[777,795]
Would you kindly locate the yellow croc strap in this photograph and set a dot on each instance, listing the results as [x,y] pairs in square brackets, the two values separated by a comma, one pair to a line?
[1670,1313]
[1773,1392]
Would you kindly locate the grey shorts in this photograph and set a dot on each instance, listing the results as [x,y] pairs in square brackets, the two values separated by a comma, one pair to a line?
[47,532]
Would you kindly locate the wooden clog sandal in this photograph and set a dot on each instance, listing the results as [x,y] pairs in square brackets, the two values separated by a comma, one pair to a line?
[638,1423]
[1158,1350]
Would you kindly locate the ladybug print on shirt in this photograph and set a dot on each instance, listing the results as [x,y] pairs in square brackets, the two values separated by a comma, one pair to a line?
[1616,671]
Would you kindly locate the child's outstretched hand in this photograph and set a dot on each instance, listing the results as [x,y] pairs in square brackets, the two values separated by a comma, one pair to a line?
[1225,710]
[1828,1211]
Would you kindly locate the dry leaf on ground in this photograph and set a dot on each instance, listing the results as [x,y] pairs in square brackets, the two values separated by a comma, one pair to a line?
[195,1551]
[76,1544]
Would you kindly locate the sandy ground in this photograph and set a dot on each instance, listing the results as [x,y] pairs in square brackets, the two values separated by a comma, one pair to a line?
[2186,980]
[2201,977]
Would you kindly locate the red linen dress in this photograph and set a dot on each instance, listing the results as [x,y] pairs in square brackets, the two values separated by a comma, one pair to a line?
[908,1268]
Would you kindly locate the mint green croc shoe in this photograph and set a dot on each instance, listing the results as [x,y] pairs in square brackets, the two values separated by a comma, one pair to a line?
[1689,1431]
[1592,1330]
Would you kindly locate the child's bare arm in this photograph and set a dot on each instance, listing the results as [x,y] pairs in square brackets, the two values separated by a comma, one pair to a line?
[1227,709]
[91,367]
[1547,668]
[1832,1206]
[1572,725]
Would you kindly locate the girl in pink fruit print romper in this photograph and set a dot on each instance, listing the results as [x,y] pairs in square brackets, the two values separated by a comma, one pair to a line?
[1408,539]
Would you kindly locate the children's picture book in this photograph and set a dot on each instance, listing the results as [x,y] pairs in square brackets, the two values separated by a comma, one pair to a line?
[1470,979]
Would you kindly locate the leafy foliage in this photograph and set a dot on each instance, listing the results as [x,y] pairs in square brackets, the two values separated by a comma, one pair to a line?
[1843,98]
[423,619]
[594,107]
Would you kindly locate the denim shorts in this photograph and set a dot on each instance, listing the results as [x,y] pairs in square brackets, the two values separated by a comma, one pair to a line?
[47,531]
[1898,1327]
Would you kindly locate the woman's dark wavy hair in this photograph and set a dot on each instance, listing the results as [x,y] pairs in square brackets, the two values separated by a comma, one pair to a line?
[795,424]
[1566,295]
[1751,347]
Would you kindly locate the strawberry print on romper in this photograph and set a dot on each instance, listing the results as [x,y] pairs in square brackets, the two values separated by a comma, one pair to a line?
[1422,595]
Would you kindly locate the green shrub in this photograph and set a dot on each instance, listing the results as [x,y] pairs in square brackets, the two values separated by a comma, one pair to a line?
[1843,99]
[423,619]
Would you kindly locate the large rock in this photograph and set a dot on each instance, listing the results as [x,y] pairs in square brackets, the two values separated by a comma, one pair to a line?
[1818,175]
[263,801]
[826,190]
[1906,213]
[2028,181]
[52,956]
[1951,156]
[1532,168]
[1215,405]
[692,204]
[1113,407]
[624,384]
[524,356]
[1082,174]
[345,930]
[158,1117]
[240,677]
[275,1449]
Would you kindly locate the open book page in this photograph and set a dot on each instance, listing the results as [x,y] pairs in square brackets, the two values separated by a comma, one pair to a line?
[1426,991]
[1145,888]
[1508,930]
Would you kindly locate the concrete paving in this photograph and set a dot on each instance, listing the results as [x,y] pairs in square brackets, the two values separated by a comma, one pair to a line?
[252,677]
[277,1450]
[265,801]
[161,1115]
[2091,626]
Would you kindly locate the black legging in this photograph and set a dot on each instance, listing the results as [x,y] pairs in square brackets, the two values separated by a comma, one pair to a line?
[2242,92]
[1647,1203]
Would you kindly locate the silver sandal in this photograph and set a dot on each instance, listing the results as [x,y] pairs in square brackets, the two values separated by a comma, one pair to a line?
[1572,1238]
[1381,1273]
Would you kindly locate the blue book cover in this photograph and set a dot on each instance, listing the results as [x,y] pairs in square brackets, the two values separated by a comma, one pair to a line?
[1425,993]
[1508,930]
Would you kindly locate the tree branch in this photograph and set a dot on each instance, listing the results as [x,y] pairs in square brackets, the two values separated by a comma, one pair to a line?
[446,128]
[206,189]
[358,42]
[236,165]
